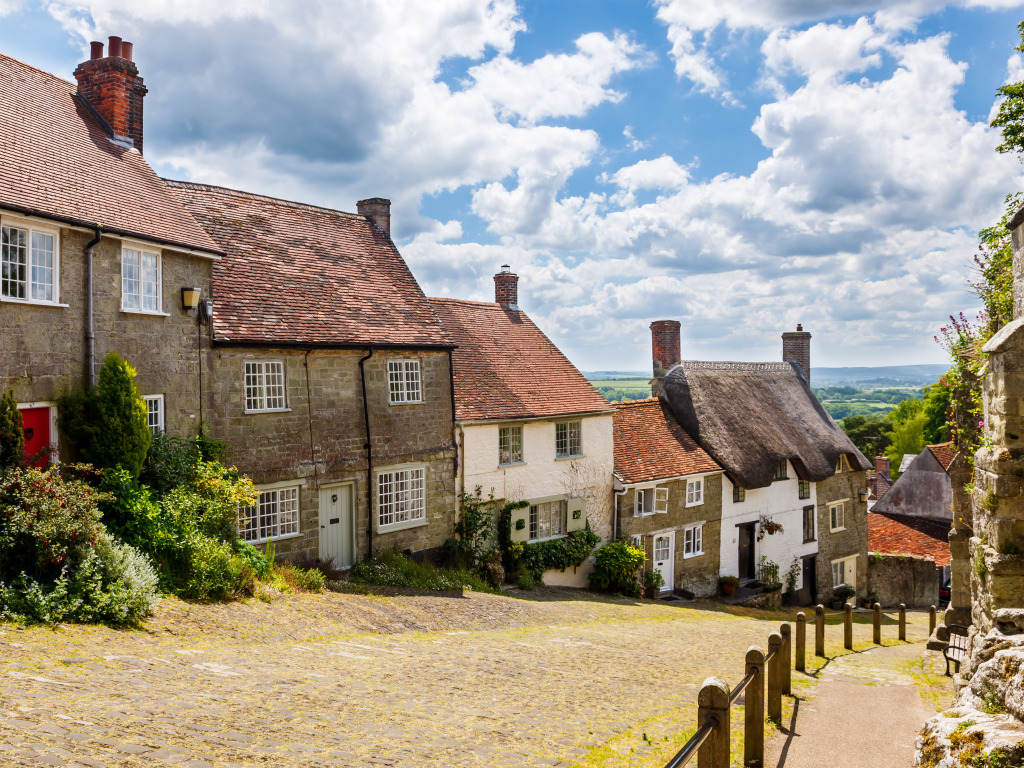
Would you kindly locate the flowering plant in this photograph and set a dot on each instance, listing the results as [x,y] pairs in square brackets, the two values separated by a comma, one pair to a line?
[768,527]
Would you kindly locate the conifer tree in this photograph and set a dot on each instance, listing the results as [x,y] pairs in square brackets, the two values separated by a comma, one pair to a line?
[12,432]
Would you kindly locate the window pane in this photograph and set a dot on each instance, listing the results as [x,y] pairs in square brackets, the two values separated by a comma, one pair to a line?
[13,258]
[149,269]
[130,279]
[42,267]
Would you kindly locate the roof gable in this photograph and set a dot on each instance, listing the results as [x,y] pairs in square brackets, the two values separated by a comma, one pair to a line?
[506,368]
[924,490]
[751,416]
[944,453]
[57,160]
[301,274]
[650,444]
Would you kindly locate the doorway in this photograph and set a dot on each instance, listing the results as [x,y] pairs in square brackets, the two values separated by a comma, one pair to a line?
[37,422]
[746,551]
[337,525]
[808,593]
[665,558]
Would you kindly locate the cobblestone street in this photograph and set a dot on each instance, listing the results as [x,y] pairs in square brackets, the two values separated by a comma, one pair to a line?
[348,680]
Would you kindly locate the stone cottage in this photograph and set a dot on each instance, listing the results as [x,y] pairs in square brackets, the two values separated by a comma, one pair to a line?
[529,426]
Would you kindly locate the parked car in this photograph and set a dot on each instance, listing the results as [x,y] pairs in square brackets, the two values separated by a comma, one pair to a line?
[944,591]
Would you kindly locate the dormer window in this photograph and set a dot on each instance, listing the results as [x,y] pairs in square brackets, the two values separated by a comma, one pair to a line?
[781,471]
[843,464]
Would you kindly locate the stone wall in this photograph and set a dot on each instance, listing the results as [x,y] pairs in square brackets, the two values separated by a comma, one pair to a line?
[849,542]
[897,579]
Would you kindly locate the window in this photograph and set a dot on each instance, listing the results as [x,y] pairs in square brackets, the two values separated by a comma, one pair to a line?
[805,488]
[837,516]
[568,441]
[809,523]
[739,493]
[842,464]
[510,445]
[155,413]
[547,520]
[264,386]
[28,264]
[693,540]
[276,514]
[695,492]
[140,281]
[650,501]
[844,572]
[780,471]
[401,498]
[404,381]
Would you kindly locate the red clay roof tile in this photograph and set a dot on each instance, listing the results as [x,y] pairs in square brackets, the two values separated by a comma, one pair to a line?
[905,535]
[297,273]
[57,160]
[944,453]
[506,368]
[650,444]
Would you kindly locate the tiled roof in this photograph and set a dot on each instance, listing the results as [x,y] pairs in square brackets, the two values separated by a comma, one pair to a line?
[506,368]
[650,444]
[301,274]
[905,535]
[944,453]
[57,160]
[879,484]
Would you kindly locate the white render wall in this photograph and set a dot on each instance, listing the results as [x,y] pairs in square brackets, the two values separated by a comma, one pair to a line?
[780,501]
[541,475]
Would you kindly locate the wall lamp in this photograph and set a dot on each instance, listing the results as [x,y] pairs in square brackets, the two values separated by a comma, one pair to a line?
[864,494]
[189,299]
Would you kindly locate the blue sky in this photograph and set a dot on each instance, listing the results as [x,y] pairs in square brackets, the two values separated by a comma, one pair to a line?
[738,166]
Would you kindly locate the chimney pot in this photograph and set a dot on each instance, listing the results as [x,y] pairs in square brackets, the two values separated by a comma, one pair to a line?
[378,211]
[506,287]
[126,50]
[796,348]
[114,49]
[664,345]
[113,88]
[798,326]
[95,50]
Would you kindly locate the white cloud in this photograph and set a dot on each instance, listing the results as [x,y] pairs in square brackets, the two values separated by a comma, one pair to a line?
[10,6]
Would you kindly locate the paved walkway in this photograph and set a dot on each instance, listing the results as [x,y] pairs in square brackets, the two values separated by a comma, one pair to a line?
[867,710]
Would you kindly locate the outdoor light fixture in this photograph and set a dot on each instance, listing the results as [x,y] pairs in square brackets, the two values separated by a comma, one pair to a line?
[189,298]
[864,496]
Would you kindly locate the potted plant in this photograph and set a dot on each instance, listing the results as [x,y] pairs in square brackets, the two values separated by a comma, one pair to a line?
[653,582]
[841,594]
[869,600]
[789,598]
[728,584]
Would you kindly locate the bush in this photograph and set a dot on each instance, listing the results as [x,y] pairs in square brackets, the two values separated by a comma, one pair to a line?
[392,569]
[844,592]
[171,462]
[289,577]
[12,432]
[615,568]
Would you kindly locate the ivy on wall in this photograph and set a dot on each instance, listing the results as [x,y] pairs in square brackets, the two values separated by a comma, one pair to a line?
[557,554]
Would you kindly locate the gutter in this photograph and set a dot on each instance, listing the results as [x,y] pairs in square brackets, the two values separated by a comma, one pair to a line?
[90,334]
[304,345]
[369,458]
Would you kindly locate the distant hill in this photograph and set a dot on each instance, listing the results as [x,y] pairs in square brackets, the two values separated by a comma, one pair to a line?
[879,376]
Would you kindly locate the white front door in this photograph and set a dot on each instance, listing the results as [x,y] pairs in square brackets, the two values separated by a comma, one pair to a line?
[664,558]
[337,526]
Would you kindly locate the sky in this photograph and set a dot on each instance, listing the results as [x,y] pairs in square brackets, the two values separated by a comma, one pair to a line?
[738,166]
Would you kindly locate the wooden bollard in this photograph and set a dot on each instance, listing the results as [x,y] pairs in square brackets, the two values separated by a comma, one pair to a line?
[848,627]
[903,623]
[878,624]
[774,695]
[931,621]
[819,630]
[753,709]
[713,699]
[801,642]
[786,662]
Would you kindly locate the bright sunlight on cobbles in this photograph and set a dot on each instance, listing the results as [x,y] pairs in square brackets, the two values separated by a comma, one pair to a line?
[559,678]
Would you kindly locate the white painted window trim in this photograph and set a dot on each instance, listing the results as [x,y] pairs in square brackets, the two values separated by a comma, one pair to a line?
[413,522]
[161,424]
[692,529]
[274,488]
[140,310]
[698,495]
[284,386]
[831,505]
[54,434]
[568,429]
[658,496]
[404,399]
[564,500]
[31,226]
[522,447]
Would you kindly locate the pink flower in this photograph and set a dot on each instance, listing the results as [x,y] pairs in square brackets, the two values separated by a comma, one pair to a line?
[981,424]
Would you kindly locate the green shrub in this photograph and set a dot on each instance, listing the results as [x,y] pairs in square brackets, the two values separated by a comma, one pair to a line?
[392,569]
[615,568]
[289,577]
[12,432]
[170,463]
[558,554]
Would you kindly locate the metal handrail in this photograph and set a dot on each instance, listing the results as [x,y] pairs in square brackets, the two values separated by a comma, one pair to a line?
[684,755]
[754,671]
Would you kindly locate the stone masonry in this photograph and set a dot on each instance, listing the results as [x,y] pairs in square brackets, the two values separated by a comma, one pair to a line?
[845,543]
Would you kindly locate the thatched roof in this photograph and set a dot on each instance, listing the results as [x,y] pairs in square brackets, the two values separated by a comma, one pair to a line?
[751,416]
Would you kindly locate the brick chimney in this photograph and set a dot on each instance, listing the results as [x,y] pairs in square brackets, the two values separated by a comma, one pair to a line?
[882,465]
[112,86]
[506,287]
[796,348]
[378,211]
[664,345]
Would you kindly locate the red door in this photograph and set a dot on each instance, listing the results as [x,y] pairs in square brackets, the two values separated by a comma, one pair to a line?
[36,422]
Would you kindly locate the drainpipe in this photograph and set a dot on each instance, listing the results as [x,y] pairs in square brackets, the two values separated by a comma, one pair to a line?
[90,335]
[616,495]
[369,459]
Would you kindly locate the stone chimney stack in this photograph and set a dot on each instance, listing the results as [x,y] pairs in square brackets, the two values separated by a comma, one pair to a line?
[378,211]
[882,465]
[506,287]
[796,348]
[664,345]
[112,86]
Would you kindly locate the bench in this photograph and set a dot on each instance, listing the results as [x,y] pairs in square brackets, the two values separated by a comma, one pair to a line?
[956,649]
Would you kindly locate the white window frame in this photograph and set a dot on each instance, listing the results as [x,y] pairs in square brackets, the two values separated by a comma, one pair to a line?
[405,381]
[842,464]
[565,446]
[135,250]
[255,525]
[695,492]
[840,505]
[841,570]
[33,229]
[506,444]
[650,500]
[159,425]
[259,386]
[403,499]
[693,540]
[533,521]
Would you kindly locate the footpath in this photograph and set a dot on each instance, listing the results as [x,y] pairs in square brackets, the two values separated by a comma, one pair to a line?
[867,710]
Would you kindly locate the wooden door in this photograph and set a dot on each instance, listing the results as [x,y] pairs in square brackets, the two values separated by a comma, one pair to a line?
[36,423]
[337,526]
[664,558]
[746,551]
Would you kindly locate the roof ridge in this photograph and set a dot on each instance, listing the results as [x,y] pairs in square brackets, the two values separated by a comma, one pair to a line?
[726,365]
[41,71]
[946,444]
[474,302]
[635,403]
[280,200]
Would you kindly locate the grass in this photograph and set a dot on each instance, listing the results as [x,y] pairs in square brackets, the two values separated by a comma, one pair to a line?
[393,569]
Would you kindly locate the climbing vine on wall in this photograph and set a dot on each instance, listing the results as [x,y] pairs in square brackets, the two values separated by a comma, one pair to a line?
[557,554]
